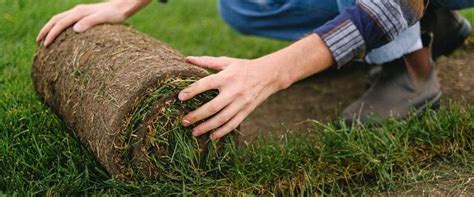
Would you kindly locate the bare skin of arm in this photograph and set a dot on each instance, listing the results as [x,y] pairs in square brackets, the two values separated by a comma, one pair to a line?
[242,84]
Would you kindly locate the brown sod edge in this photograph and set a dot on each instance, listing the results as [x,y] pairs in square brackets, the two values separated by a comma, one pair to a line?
[116,89]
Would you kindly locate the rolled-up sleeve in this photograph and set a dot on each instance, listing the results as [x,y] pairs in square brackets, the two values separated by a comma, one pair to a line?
[368,25]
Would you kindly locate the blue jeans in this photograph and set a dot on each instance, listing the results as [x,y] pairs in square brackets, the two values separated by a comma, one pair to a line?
[452,4]
[292,19]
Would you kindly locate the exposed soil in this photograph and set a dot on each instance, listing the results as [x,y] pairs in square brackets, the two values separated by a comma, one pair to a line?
[323,96]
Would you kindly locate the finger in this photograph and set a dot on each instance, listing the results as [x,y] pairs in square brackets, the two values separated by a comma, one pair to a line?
[215,63]
[61,25]
[230,126]
[47,27]
[207,110]
[218,120]
[88,22]
[198,87]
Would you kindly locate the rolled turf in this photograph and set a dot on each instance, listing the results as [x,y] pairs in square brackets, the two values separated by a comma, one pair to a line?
[116,90]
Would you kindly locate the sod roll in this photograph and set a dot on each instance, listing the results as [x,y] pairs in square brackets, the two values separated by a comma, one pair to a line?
[116,90]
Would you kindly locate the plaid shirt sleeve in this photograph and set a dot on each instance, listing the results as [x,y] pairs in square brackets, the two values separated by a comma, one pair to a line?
[368,25]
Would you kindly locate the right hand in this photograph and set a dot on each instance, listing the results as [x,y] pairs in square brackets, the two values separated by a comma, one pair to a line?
[86,16]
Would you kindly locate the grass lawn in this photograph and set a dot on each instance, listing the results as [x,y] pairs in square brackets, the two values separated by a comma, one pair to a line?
[37,155]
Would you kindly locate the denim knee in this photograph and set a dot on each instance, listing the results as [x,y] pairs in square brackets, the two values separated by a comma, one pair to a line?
[280,19]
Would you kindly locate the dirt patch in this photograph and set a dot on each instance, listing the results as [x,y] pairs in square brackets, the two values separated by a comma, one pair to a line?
[457,74]
[323,96]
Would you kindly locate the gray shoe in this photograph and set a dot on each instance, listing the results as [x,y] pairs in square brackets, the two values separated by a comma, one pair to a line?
[394,95]
[449,29]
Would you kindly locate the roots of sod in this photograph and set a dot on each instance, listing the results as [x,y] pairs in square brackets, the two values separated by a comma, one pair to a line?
[116,89]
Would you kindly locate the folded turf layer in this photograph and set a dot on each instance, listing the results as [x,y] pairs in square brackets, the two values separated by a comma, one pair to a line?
[116,89]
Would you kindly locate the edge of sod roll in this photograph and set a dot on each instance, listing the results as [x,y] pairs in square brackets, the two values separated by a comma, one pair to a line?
[100,81]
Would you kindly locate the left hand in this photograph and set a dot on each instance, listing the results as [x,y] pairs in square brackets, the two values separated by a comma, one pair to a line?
[242,85]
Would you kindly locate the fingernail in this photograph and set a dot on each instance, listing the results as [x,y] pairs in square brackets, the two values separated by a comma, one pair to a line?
[195,133]
[189,59]
[182,96]
[78,28]
[186,122]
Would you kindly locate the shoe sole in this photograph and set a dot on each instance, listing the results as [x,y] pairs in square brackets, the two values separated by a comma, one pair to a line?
[434,103]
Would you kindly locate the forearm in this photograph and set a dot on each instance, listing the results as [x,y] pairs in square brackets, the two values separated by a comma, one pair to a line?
[130,7]
[302,59]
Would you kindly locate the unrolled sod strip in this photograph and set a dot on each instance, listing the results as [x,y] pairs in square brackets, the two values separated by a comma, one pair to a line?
[116,89]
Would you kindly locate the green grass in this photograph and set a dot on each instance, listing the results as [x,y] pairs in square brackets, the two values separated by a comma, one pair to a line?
[170,142]
[38,156]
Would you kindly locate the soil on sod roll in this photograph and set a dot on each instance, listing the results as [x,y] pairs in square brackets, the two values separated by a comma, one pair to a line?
[116,89]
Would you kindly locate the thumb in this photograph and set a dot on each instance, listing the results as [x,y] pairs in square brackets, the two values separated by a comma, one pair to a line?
[87,22]
[215,63]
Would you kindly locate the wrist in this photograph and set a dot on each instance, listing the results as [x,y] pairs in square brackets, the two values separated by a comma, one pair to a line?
[302,59]
[128,8]
[276,71]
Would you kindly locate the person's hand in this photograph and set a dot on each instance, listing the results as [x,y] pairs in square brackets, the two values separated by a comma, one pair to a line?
[245,84]
[242,85]
[86,16]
